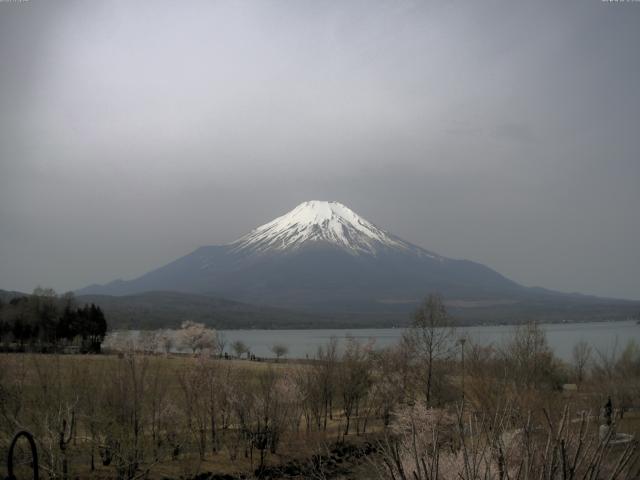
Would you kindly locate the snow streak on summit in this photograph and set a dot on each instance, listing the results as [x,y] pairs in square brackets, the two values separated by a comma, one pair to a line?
[319,221]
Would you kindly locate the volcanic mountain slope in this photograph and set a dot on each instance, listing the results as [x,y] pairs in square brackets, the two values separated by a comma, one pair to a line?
[168,309]
[320,256]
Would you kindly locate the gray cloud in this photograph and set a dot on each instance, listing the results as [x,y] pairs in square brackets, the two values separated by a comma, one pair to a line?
[133,132]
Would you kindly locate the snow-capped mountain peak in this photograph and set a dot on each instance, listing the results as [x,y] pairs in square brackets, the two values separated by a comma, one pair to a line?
[320,221]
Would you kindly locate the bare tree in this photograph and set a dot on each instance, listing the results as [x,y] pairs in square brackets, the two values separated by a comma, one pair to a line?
[581,358]
[326,367]
[263,410]
[166,340]
[484,372]
[194,385]
[279,350]
[240,348]
[529,359]
[391,371]
[221,343]
[309,395]
[431,337]
[124,406]
[617,372]
[354,377]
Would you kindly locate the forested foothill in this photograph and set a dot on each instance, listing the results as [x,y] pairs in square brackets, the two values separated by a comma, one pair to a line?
[46,322]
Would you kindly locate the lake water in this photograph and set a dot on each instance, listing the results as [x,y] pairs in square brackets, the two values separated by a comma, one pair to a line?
[602,336]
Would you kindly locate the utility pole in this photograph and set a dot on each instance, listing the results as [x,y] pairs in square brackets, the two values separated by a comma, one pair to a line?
[462,342]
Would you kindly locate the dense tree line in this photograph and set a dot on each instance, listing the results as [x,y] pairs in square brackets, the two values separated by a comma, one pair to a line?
[45,321]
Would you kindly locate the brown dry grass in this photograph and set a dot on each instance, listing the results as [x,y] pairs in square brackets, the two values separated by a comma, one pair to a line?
[301,445]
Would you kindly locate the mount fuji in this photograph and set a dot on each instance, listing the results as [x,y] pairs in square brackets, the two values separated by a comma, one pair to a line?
[322,257]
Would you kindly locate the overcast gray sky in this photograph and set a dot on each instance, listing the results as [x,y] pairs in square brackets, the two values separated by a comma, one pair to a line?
[132,132]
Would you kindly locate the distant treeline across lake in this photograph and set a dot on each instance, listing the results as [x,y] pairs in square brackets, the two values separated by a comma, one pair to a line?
[604,337]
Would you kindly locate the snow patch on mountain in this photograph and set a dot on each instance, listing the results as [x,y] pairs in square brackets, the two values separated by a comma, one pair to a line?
[320,221]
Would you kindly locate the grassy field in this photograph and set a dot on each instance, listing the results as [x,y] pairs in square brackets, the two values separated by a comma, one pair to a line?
[131,415]
[40,392]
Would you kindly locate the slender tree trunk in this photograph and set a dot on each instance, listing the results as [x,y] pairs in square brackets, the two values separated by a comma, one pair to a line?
[214,447]
[429,376]
[326,412]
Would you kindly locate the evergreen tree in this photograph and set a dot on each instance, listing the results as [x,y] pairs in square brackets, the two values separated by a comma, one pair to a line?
[46,319]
